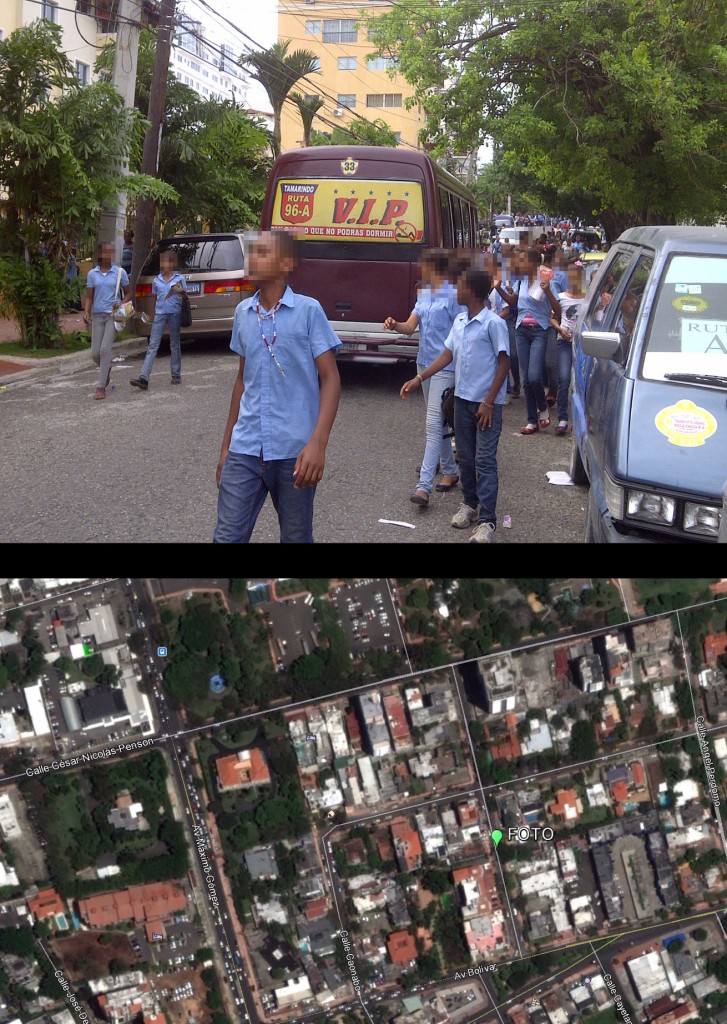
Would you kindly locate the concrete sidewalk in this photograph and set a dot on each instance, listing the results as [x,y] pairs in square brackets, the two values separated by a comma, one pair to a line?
[18,367]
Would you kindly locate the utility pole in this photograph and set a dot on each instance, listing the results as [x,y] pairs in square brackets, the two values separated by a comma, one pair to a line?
[126,52]
[152,139]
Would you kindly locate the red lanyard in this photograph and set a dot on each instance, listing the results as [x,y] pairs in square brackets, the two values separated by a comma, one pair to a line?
[269,344]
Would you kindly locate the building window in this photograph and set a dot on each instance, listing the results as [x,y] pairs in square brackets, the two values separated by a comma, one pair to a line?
[397,136]
[205,74]
[381,64]
[339,30]
[194,66]
[346,63]
[205,90]
[2,35]
[316,63]
[180,58]
[215,78]
[83,72]
[312,27]
[384,99]
[49,11]
[347,99]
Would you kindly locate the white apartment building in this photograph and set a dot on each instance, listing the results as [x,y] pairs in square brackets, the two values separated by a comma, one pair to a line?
[208,68]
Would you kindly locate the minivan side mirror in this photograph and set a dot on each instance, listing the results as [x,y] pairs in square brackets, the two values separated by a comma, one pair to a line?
[601,344]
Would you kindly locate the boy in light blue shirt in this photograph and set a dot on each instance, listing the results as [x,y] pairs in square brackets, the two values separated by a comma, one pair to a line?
[167,289]
[479,348]
[284,401]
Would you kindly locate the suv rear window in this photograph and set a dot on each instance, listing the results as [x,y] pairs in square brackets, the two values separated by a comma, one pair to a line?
[688,331]
[199,255]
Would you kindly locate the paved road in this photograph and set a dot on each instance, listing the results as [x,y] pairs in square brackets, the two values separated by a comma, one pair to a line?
[140,465]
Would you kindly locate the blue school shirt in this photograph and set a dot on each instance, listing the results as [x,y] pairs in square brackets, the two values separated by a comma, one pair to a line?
[167,303]
[278,414]
[436,312]
[539,309]
[104,288]
[475,345]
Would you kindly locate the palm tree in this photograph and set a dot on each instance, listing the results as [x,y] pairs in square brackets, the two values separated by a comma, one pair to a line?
[278,71]
[308,107]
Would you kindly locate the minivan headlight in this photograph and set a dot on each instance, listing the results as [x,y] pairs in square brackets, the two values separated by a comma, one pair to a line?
[702,519]
[653,508]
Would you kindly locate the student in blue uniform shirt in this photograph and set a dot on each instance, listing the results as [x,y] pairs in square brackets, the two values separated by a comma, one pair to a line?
[284,401]
[167,288]
[478,346]
[107,286]
[434,314]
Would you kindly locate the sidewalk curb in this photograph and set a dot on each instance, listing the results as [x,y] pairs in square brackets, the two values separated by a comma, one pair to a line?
[72,361]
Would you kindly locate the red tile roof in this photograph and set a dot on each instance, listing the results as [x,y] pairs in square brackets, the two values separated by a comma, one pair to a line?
[402,947]
[46,904]
[638,773]
[140,903]
[245,768]
[715,645]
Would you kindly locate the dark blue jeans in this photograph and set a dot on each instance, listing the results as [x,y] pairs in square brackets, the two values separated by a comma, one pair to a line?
[245,483]
[477,454]
[531,342]
[565,362]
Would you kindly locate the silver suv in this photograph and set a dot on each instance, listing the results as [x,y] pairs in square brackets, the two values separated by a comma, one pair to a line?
[214,268]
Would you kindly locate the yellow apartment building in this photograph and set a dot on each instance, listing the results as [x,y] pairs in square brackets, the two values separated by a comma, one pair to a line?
[350,84]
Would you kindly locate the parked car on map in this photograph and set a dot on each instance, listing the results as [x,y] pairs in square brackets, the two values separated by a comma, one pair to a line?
[650,388]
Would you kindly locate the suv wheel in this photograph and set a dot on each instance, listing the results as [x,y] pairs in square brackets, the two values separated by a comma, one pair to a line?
[577,470]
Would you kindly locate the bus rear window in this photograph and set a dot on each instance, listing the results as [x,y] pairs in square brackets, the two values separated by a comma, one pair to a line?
[343,209]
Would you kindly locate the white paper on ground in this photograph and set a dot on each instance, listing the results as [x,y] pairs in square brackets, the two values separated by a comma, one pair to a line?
[558,476]
[397,522]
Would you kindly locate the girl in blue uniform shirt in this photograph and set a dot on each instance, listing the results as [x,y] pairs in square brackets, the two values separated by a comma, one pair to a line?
[434,314]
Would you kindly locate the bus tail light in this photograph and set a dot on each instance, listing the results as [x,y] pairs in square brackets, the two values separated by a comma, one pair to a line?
[142,290]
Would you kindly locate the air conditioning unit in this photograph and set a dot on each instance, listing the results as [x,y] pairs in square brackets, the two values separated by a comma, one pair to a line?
[338,112]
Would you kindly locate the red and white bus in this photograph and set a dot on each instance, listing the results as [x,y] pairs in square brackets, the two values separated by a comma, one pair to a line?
[364,214]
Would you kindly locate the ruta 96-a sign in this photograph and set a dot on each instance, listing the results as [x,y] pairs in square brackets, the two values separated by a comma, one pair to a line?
[359,211]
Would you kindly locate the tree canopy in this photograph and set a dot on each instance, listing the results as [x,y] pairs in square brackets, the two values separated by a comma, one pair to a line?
[618,107]
[62,147]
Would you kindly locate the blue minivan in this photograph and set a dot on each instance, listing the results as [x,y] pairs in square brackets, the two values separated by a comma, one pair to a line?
[649,397]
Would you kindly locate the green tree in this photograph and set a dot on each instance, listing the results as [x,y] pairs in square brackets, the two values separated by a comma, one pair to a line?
[213,154]
[357,133]
[583,743]
[61,147]
[277,70]
[618,108]
[308,107]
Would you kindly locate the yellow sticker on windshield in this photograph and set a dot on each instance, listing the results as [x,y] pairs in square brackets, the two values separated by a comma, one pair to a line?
[690,304]
[685,424]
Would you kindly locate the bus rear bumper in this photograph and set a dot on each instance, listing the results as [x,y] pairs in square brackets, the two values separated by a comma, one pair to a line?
[363,347]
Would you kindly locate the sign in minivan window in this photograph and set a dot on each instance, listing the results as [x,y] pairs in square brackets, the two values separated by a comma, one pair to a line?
[360,211]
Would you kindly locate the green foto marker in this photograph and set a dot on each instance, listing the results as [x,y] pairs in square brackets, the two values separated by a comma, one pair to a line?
[496,836]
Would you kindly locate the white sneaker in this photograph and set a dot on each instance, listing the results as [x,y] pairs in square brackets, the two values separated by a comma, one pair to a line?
[484,534]
[464,517]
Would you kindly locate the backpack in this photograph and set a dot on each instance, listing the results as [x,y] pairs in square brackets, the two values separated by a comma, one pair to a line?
[448,410]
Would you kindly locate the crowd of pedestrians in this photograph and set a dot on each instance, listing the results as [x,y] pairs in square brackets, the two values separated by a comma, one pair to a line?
[483,328]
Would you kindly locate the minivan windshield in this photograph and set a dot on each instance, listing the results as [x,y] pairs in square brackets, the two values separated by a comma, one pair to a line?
[688,330]
[199,255]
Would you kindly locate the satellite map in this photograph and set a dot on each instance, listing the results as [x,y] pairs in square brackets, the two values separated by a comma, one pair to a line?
[363,801]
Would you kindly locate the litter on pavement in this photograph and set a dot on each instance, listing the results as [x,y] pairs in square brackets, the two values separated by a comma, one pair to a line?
[507,522]
[558,476]
[397,522]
